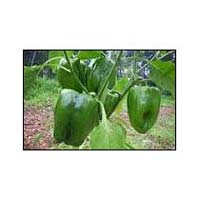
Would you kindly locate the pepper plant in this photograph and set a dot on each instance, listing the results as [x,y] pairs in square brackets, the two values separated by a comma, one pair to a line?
[92,91]
[89,97]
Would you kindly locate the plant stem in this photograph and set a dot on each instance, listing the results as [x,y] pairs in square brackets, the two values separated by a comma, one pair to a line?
[104,117]
[127,88]
[55,58]
[133,81]
[67,58]
[144,80]
[48,61]
[148,61]
[109,75]
[74,74]
[129,85]
[168,53]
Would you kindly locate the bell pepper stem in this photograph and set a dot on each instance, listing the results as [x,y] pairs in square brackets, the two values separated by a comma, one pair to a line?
[74,74]
[127,88]
[109,75]
[103,112]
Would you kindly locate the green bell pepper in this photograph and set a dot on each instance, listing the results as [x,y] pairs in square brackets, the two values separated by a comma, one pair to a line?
[143,107]
[76,114]
[67,79]
[98,74]
[112,97]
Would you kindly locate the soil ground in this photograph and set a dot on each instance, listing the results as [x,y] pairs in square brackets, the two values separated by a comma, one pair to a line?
[38,127]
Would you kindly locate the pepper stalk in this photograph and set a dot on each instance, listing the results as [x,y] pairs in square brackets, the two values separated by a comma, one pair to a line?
[102,89]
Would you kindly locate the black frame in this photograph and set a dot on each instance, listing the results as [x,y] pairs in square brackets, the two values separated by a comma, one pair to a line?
[103,149]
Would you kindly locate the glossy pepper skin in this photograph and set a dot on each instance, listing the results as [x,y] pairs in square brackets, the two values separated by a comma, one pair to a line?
[75,116]
[98,74]
[66,78]
[143,107]
[112,98]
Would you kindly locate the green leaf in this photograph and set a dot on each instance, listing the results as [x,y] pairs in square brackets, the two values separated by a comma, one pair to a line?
[30,75]
[108,135]
[121,83]
[120,106]
[69,53]
[163,74]
[99,74]
[53,54]
[54,63]
[54,67]
[163,52]
[83,55]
